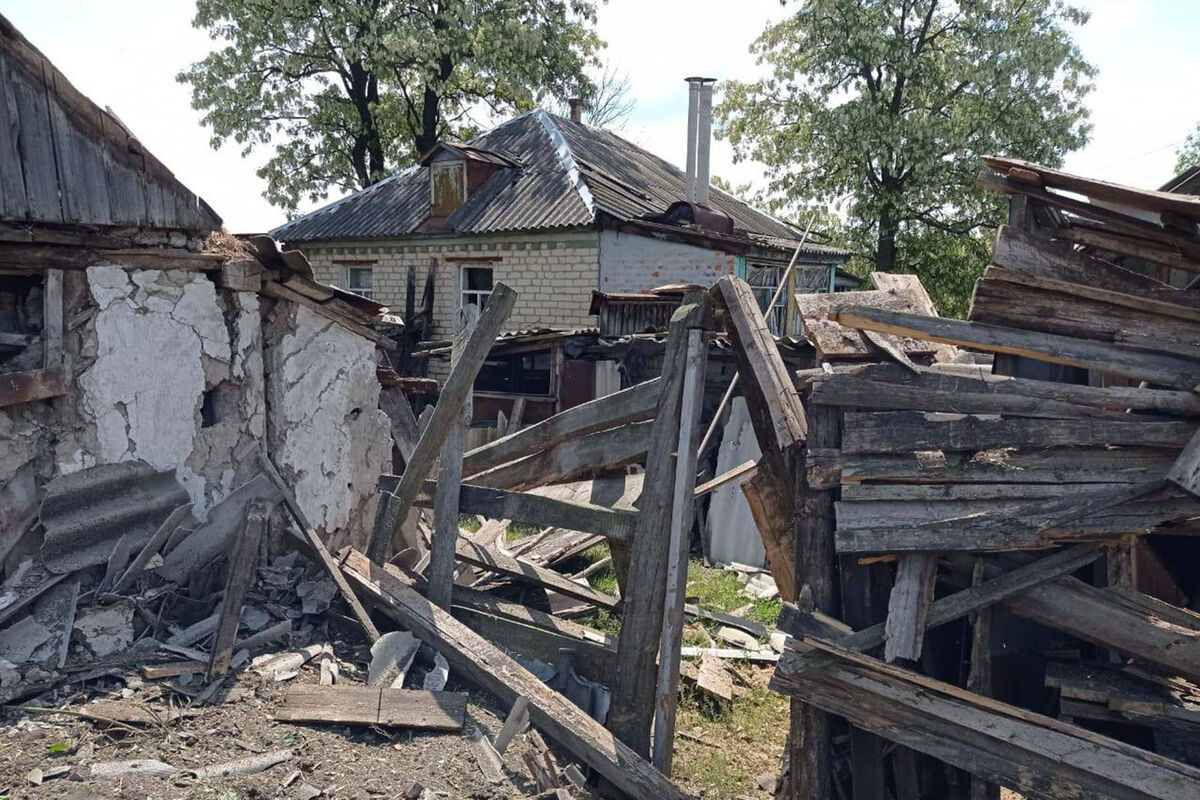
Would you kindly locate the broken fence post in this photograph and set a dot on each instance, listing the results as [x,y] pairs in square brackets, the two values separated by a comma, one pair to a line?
[243,557]
[449,406]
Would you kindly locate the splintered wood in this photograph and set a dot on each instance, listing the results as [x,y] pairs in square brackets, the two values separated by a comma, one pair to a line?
[1021,482]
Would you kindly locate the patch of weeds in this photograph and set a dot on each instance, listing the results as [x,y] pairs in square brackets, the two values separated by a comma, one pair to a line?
[519,530]
[469,522]
[59,749]
[694,637]
[604,580]
[766,611]
[603,621]
[715,589]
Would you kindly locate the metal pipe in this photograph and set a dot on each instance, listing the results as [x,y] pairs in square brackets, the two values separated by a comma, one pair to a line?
[693,104]
[703,143]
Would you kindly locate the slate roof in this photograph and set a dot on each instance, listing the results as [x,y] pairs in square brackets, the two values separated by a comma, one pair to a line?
[568,175]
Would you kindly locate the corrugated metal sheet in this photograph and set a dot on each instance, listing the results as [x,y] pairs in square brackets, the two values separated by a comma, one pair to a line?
[568,173]
[87,512]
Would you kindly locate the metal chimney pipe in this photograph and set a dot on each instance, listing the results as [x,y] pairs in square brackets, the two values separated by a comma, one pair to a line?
[576,104]
[692,123]
[703,142]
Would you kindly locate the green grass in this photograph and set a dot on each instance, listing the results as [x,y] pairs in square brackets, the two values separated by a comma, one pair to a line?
[518,530]
[720,590]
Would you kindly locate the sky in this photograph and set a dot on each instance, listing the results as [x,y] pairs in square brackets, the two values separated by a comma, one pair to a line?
[124,54]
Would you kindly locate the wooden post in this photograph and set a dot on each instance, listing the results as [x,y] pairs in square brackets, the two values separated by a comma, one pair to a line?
[908,605]
[809,764]
[641,621]
[243,557]
[445,500]
[979,678]
[449,407]
[683,510]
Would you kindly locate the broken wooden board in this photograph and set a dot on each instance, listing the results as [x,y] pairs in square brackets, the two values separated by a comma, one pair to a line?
[242,560]
[1127,694]
[1024,751]
[538,510]
[635,404]
[488,666]
[908,431]
[887,387]
[374,705]
[1171,371]
[908,606]
[449,407]
[482,557]
[834,341]
[1185,472]
[713,678]
[614,447]
[1082,466]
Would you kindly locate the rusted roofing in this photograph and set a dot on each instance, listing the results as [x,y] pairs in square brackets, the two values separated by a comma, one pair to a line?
[567,175]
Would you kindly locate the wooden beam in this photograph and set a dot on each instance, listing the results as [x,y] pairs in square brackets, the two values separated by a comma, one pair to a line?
[742,472]
[683,511]
[31,385]
[908,606]
[1185,472]
[243,558]
[405,432]
[281,292]
[533,509]
[1026,752]
[449,407]
[635,404]
[313,539]
[499,674]
[450,468]
[885,387]
[1180,373]
[766,382]
[632,708]
[612,447]
[594,661]
[482,557]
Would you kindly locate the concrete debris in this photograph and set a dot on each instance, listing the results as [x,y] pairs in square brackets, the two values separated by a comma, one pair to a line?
[254,618]
[21,640]
[435,679]
[106,630]
[316,595]
[8,674]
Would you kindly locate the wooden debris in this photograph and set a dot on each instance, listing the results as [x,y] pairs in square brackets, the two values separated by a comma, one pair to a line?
[515,724]
[714,679]
[449,407]
[908,608]
[489,760]
[493,670]
[531,573]
[242,561]
[374,705]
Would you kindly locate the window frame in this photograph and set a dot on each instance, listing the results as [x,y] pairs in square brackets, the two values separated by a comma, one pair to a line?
[368,293]
[479,294]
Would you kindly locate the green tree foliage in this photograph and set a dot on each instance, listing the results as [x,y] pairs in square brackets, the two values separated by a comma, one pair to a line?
[343,91]
[882,108]
[1189,154]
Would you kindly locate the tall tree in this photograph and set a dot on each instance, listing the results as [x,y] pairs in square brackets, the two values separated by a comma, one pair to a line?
[345,91]
[1189,154]
[883,107]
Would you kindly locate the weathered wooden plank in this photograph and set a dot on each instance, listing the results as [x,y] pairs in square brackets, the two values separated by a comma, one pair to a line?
[1091,235]
[615,523]
[1059,267]
[1185,472]
[1019,749]
[742,472]
[468,551]
[1049,467]
[635,404]
[243,558]
[31,385]
[769,495]
[318,547]
[594,661]
[993,525]
[488,666]
[908,606]
[440,575]
[765,380]
[14,203]
[887,387]
[632,709]
[449,407]
[906,431]
[613,447]
[374,705]
[405,432]
[683,508]
[1180,373]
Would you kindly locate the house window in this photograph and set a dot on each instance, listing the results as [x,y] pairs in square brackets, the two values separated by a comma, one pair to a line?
[476,286]
[522,373]
[448,187]
[359,280]
[764,281]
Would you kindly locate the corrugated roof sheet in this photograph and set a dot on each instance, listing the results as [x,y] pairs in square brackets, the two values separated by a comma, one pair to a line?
[568,173]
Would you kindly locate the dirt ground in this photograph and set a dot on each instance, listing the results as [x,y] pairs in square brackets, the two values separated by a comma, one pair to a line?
[336,761]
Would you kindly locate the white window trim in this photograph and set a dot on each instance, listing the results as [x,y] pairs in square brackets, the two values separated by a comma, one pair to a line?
[479,294]
[368,293]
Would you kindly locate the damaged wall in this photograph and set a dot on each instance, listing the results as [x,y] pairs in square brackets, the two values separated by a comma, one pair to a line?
[324,427]
[175,379]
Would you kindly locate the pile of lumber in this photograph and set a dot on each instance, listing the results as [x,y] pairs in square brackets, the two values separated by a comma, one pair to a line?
[1001,556]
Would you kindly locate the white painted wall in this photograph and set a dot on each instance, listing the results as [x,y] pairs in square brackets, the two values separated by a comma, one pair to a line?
[633,263]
